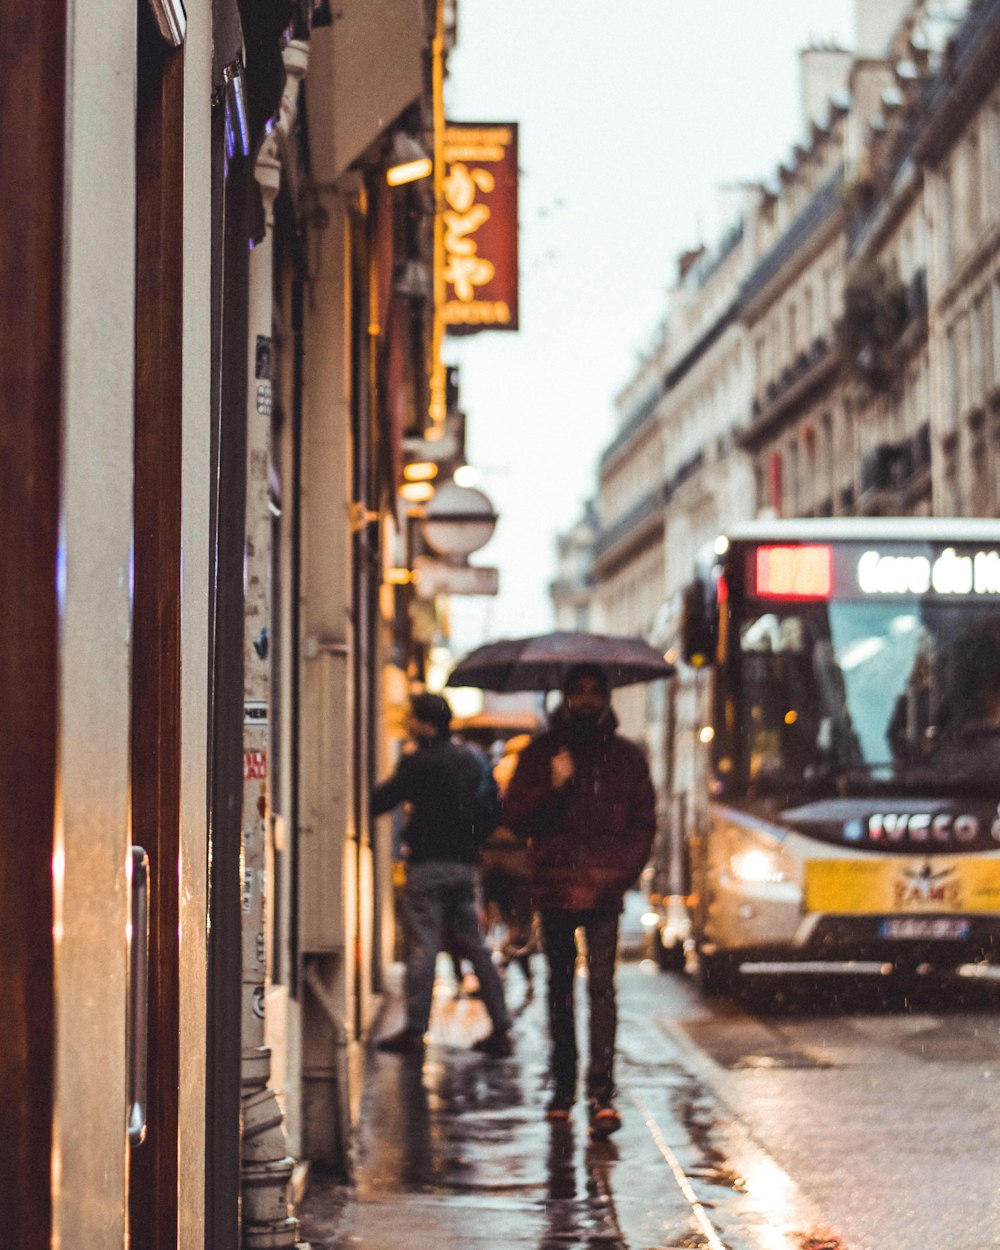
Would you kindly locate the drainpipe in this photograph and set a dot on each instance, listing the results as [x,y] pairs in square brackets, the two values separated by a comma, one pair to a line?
[266,1168]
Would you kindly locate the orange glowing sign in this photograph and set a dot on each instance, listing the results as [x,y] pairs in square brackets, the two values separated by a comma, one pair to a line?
[479,227]
[802,572]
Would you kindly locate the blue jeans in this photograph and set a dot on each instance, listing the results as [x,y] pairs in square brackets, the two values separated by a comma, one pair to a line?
[439,895]
[559,935]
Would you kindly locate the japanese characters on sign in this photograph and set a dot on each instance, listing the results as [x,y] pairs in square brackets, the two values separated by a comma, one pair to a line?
[479,225]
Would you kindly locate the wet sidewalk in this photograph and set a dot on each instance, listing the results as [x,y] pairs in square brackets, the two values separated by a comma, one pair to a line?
[453,1152]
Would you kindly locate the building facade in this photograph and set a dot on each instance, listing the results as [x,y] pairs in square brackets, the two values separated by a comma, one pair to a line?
[836,354]
[572,589]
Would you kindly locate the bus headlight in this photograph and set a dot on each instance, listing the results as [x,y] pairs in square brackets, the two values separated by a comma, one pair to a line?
[757,866]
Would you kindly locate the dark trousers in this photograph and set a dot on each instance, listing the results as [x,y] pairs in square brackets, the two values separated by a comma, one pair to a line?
[441,897]
[559,933]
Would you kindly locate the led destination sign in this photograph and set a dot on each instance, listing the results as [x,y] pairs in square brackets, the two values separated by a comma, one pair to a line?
[856,571]
[949,574]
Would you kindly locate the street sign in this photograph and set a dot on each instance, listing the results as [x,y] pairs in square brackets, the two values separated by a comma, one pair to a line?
[435,577]
[458,521]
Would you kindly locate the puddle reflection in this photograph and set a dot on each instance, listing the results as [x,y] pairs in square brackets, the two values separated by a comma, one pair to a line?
[447,1124]
[579,1205]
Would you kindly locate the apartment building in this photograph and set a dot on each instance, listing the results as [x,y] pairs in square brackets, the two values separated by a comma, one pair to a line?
[837,353]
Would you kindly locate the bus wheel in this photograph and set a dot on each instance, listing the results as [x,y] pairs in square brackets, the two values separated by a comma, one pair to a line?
[716,974]
[670,958]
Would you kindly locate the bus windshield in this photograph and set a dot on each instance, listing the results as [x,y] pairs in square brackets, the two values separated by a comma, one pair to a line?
[849,695]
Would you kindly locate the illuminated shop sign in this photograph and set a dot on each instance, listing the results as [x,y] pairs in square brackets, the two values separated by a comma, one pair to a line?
[949,573]
[479,227]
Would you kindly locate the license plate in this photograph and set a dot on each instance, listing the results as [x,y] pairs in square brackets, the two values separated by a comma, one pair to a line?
[942,928]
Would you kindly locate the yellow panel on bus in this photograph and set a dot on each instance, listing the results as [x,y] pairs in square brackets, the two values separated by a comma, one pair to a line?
[934,886]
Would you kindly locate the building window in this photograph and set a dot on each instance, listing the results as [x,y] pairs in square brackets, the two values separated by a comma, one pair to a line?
[950,378]
[996,472]
[980,383]
[826,455]
[760,362]
[760,485]
[951,502]
[774,482]
[973,189]
[810,490]
[979,468]
[996,328]
[963,333]
[945,219]
[993,159]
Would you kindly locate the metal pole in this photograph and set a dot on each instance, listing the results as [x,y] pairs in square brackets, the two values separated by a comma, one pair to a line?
[266,1168]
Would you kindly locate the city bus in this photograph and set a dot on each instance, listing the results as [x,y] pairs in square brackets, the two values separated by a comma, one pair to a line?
[846,804]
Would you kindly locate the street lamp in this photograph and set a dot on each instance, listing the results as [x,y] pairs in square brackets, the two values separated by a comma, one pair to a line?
[417,492]
[420,471]
[408,162]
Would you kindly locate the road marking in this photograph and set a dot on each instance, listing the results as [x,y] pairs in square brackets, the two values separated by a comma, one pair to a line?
[680,1176]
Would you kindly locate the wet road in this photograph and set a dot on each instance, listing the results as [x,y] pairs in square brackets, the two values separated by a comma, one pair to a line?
[856,1118]
[882,1101]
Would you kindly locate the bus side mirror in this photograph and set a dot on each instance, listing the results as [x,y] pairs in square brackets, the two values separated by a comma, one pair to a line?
[699,634]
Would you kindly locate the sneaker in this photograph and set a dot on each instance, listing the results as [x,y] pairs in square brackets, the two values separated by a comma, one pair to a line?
[559,1108]
[604,1119]
[498,1044]
[403,1042]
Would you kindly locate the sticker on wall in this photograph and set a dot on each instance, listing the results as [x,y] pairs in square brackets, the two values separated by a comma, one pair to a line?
[262,359]
[255,712]
[254,765]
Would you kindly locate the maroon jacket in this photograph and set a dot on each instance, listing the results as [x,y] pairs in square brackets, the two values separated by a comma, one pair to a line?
[591,838]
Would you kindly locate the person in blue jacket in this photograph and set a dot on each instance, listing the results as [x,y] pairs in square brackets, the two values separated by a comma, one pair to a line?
[449,789]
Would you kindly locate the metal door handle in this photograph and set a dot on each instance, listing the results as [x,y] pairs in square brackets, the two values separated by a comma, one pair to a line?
[138,1009]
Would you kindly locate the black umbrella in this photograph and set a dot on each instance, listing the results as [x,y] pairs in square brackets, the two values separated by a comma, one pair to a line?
[541,662]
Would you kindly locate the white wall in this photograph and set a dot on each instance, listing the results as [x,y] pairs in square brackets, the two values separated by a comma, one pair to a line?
[92,822]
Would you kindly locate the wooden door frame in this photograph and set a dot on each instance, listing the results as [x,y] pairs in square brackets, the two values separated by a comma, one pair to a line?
[231,186]
[156,728]
[32,89]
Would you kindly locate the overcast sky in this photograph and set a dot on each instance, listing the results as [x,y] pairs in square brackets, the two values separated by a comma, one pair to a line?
[634,117]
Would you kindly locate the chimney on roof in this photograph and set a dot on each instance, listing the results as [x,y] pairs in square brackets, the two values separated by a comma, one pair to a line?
[877,21]
[824,72]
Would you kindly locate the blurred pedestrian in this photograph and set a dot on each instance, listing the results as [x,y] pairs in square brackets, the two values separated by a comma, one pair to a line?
[583,795]
[506,880]
[448,788]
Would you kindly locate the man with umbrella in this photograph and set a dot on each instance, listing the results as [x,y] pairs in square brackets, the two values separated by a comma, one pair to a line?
[583,795]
